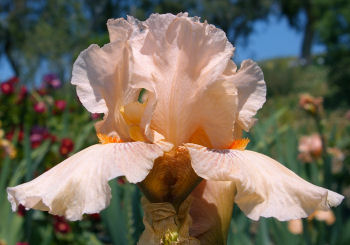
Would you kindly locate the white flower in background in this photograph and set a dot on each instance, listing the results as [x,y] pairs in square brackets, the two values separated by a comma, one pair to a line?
[173,100]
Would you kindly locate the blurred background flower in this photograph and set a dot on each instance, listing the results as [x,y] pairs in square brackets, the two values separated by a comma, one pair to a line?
[66,146]
[6,146]
[295,226]
[39,107]
[326,216]
[7,88]
[60,105]
[61,225]
[52,81]
[310,147]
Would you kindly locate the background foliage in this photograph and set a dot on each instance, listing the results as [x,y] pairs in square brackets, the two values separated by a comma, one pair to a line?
[43,122]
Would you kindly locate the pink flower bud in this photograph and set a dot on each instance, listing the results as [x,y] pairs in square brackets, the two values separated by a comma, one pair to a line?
[60,105]
[7,88]
[40,107]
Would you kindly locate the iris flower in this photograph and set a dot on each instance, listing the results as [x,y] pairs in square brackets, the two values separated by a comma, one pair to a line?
[175,106]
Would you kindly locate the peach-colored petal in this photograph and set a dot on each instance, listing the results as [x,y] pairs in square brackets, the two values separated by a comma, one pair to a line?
[264,187]
[136,158]
[249,81]
[295,226]
[211,211]
[326,216]
[180,58]
[237,132]
[102,79]
[216,112]
[79,184]
[119,29]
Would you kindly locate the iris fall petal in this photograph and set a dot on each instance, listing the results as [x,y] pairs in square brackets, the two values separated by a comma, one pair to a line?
[264,187]
[79,184]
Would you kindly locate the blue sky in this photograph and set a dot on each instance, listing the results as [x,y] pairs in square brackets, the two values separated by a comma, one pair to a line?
[272,39]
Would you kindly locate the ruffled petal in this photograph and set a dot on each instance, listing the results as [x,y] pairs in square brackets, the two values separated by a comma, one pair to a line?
[79,184]
[180,57]
[211,211]
[249,81]
[264,187]
[89,92]
[102,79]
[119,29]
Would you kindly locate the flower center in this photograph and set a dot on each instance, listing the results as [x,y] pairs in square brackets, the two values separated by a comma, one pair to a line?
[132,114]
[171,179]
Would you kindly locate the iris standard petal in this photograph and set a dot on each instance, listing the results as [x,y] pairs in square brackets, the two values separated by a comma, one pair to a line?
[180,57]
[79,184]
[264,187]
[119,29]
[216,112]
[249,81]
[101,76]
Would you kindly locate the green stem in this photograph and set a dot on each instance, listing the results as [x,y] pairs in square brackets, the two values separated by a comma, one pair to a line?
[325,156]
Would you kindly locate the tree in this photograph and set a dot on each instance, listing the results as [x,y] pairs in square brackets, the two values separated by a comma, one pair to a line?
[334,32]
[303,16]
[53,32]
[235,17]
[34,32]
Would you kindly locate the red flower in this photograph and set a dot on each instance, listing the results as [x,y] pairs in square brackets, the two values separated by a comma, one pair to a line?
[22,243]
[22,94]
[60,105]
[13,80]
[95,216]
[35,140]
[95,116]
[21,135]
[9,135]
[61,225]
[53,138]
[21,210]
[121,180]
[66,147]
[40,107]
[7,88]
